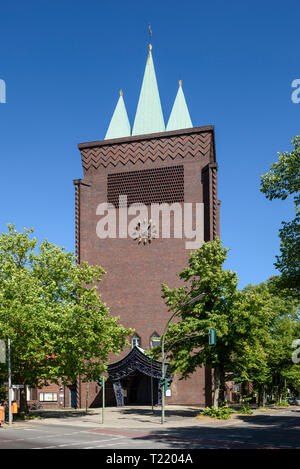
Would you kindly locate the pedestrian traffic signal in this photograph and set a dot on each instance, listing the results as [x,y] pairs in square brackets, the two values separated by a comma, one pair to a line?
[212,336]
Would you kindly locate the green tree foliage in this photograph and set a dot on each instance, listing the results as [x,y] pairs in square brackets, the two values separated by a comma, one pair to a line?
[223,307]
[50,308]
[281,181]
[269,362]
[255,327]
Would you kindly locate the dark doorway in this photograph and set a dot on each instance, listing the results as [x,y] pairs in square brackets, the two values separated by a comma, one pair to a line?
[73,397]
[140,389]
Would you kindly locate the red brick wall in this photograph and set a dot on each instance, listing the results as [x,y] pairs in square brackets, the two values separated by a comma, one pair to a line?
[132,285]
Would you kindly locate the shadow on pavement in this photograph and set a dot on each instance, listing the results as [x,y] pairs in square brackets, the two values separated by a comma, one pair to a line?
[276,432]
[278,421]
[60,414]
[147,412]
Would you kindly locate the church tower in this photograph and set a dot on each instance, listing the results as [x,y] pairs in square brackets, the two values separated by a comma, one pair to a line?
[152,163]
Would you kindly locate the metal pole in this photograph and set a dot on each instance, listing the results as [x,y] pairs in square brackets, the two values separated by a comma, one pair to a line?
[86,397]
[10,417]
[198,297]
[103,399]
[163,376]
[151,387]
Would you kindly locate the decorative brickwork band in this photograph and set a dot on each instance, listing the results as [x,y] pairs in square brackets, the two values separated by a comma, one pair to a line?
[197,144]
[214,201]
[211,202]
[77,184]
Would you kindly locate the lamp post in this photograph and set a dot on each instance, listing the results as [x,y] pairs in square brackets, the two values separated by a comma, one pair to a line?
[10,419]
[193,300]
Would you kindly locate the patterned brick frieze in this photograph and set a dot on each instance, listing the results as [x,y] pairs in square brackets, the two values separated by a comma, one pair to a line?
[195,144]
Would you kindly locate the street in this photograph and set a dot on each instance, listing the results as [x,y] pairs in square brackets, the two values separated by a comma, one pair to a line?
[139,428]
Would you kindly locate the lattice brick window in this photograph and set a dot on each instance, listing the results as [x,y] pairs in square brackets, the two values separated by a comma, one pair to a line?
[157,185]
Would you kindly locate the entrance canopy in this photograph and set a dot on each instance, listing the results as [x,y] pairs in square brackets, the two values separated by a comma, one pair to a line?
[136,360]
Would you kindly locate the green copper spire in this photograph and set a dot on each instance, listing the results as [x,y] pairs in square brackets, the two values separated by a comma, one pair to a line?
[119,125]
[180,116]
[149,116]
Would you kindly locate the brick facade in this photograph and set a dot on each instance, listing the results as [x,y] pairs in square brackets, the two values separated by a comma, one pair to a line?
[172,167]
[132,286]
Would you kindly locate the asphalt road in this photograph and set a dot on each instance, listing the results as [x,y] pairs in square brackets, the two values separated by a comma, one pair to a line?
[138,429]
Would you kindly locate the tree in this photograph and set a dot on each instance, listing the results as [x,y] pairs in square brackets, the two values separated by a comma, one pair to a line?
[239,321]
[49,307]
[281,181]
[269,361]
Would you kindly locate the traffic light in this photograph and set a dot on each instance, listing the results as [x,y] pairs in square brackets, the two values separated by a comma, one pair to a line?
[212,336]
[100,381]
[167,383]
[164,383]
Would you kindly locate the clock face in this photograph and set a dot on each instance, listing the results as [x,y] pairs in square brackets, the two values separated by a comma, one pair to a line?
[144,232]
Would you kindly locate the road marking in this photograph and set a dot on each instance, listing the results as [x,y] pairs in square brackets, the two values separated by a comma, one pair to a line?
[44,447]
[78,443]
[112,444]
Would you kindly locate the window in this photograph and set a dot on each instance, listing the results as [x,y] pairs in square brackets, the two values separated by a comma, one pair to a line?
[147,186]
[31,393]
[236,388]
[155,340]
[48,396]
[135,341]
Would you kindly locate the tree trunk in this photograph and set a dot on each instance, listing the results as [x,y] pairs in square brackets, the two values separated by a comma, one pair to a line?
[217,386]
[222,386]
[23,400]
[261,392]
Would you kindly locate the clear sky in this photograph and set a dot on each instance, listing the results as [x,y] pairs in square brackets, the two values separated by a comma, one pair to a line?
[64,63]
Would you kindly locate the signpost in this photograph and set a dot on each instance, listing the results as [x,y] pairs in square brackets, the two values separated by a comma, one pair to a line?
[2,352]
[163,355]
[10,418]
[101,382]
[10,386]
[165,382]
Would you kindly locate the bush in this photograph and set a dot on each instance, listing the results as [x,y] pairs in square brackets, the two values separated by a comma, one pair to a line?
[282,404]
[245,410]
[223,412]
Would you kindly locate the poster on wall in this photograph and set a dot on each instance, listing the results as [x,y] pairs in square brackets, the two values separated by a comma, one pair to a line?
[48,396]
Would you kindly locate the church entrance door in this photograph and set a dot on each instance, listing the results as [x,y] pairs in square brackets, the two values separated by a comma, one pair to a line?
[139,388]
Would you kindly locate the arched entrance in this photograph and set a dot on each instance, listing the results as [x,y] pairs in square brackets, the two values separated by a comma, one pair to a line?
[139,388]
[135,379]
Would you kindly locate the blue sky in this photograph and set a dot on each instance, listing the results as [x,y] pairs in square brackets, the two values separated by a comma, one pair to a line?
[64,63]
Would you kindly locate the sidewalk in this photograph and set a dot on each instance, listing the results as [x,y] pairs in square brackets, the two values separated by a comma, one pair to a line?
[118,417]
[142,417]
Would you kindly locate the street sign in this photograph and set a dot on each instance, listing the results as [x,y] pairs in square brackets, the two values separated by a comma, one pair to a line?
[17,386]
[2,351]
[212,336]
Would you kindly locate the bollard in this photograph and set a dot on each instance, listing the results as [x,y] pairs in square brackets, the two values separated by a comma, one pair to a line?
[2,414]
[14,408]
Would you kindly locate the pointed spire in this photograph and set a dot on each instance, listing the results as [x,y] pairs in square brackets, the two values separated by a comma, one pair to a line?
[180,116]
[149,116]
[119,125]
